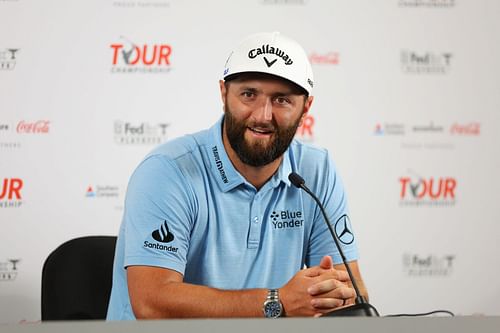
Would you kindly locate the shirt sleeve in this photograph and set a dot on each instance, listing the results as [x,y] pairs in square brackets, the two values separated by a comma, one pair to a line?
[330,191]
[158,217]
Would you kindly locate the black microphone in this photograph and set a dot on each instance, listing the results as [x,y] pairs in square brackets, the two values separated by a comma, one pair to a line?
[361,308]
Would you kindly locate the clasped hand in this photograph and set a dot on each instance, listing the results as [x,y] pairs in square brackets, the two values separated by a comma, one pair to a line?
[317,290]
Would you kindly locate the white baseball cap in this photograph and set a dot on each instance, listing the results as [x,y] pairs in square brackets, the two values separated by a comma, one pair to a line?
[271,53]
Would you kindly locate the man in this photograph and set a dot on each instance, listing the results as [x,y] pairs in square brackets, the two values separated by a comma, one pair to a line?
[212,226]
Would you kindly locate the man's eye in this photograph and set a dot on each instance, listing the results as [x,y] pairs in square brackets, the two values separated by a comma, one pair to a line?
[248,94]
[282,100]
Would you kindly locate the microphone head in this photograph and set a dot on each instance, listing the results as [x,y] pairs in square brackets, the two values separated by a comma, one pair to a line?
[296,179]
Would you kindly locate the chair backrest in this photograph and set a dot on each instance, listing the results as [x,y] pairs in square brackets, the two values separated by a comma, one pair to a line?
[76,279]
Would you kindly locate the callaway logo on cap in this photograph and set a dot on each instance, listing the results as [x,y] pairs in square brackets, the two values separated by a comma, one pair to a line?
[271,53]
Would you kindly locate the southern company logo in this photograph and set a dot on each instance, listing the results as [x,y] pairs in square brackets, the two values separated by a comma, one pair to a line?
[428,265]
[143,133]
[420,191]
[129,57]
[99,191]
[389,129]
[413,62]
[343,230]
[8,269]
[10,193]
[286,219]
[8,58]
[306,132]
[162,235]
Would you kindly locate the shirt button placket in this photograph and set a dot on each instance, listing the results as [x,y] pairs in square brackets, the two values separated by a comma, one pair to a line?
[255,224]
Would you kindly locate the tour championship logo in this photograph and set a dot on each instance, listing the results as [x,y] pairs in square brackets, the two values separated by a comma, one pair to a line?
[429,265]
[329,58]
[9,269]
[8,58]
[11,192]
[427,191]
[128,57]
[143,133]
[102,191]
[306,131]
[414,62]
[427,3]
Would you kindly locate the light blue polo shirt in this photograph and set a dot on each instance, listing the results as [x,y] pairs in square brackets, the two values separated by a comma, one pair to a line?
[188,209]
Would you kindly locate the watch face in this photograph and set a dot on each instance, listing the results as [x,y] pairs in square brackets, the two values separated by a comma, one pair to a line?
[272,309]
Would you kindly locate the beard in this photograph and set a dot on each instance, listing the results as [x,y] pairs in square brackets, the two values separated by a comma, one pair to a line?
[259,152]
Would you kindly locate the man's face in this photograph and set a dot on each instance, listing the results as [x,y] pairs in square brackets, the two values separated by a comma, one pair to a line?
[261,118]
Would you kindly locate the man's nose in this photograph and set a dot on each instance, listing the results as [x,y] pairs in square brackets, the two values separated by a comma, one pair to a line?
[264,111]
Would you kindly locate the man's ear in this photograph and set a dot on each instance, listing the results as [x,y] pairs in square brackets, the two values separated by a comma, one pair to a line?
[223,90]
[307,107]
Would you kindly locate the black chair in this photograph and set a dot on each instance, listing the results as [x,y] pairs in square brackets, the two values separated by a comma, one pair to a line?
[76,279]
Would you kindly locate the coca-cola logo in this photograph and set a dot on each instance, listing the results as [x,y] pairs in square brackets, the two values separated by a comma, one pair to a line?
[472,129]
[330,58]
[37,127]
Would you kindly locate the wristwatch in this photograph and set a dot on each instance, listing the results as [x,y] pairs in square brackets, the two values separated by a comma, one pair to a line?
[272,305]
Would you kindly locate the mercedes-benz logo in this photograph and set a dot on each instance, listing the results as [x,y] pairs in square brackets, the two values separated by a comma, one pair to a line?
[343,230]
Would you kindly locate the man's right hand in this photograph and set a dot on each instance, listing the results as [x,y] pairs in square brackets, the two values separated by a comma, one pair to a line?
[316,290]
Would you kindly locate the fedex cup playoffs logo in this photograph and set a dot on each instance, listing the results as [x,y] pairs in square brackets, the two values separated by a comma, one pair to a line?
[430,191]
[129,57]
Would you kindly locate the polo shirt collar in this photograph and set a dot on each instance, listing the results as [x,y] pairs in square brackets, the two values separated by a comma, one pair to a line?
[223,170]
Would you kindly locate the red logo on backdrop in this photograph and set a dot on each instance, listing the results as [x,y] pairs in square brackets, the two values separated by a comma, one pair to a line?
[129,57]
[330,58]
[306,131]
[432,191]
[470,129]
[10,192]
[37,127]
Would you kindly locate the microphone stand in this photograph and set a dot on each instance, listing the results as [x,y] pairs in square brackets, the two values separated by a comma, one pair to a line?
[361,308]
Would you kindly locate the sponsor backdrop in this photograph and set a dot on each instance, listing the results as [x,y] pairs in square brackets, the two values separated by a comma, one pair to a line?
[407,102]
